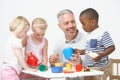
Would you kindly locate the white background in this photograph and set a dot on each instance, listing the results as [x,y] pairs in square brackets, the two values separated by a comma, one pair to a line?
[109,11]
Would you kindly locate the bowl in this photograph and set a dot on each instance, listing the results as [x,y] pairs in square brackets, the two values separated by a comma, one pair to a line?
[68,51]
[57,69]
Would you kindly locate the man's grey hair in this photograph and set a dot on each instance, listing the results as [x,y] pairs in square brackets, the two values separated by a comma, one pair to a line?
[62,13]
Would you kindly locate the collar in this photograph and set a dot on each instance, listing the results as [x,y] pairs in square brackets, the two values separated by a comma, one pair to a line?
[76,39]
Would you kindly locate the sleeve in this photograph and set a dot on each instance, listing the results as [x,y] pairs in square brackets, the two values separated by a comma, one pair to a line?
[107,40]
[16,43]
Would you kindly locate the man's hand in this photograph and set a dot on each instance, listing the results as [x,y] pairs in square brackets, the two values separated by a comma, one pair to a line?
[76,59]
[53,59]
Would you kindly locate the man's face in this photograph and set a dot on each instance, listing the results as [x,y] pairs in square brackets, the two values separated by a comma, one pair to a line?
[67,24]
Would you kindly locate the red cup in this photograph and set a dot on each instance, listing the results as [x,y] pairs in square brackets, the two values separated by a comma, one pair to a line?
[78,67]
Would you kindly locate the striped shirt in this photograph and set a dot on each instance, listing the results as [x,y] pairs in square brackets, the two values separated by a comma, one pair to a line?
[103,41]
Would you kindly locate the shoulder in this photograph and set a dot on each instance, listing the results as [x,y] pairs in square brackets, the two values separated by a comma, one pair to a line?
[60,39]
[81,34]
[45,40]
[16,42]
[101,30]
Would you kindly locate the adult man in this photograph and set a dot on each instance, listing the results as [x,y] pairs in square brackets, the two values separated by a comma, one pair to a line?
[72,38]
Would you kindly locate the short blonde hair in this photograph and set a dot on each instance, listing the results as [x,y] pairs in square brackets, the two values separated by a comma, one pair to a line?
[18,24]
[41,23]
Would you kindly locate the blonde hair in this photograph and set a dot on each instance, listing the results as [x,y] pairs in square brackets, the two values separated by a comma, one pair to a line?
[18,24]
[40,23]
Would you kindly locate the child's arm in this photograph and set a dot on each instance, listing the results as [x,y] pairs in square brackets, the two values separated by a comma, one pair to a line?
[24,41]
[20,58]
[78,51]
[107,51]
[45,54]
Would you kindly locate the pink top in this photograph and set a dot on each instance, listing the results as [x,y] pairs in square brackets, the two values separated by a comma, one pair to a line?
[36,49]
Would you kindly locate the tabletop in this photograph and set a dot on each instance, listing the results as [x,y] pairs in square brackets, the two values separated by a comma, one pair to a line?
[49,74]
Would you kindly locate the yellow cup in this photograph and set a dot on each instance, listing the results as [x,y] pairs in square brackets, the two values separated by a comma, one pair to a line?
[69,66]
[58,64]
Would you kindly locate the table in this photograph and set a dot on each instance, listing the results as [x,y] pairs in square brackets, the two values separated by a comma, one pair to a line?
[49,75]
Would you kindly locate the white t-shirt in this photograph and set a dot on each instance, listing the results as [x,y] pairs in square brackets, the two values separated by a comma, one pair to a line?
[10,58]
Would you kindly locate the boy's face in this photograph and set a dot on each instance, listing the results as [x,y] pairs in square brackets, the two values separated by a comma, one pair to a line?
[67,24]
[87,24]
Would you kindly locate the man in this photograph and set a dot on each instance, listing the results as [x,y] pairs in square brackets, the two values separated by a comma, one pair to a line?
[72,38]
[104,45]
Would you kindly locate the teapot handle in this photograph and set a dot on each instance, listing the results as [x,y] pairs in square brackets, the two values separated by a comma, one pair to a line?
[38,64]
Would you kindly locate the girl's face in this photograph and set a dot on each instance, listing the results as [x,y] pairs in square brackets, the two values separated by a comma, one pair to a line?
[23,32]
[38,33]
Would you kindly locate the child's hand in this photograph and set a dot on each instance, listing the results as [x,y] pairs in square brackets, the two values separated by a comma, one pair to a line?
[97,59]
[80,52]
[27,53]
[30,69]
[76,59]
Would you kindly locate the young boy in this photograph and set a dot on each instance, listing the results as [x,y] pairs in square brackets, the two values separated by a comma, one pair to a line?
[103,44]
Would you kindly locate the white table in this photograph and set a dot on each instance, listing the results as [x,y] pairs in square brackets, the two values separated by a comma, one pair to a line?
[49,75]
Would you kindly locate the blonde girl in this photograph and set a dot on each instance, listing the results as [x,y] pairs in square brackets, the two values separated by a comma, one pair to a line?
[13,61]
[36,43]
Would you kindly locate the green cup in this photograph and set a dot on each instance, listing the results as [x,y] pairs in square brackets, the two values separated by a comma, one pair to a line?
[42,67]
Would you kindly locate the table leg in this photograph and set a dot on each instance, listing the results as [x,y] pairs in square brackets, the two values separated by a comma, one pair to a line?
[101,77]
[47,79]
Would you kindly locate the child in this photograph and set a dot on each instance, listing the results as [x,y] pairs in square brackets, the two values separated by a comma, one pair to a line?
[13,57]
[102,43]
[36,43]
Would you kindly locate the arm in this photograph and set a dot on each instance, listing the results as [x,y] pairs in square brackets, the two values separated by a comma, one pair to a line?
[80,52]
[107,51]
[108,44]
[76,59]
[24,41]
[53,59]
[20,58]
[45,54]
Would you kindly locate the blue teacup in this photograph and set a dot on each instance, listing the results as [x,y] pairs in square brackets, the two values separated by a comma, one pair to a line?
[68,51]
[93,43]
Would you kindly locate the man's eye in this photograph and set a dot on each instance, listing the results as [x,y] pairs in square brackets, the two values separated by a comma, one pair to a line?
[37,34]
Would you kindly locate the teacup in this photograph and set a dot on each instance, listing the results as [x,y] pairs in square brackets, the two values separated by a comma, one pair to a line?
[68,51]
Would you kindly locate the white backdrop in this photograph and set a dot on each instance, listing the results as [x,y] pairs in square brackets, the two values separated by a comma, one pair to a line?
[109,11]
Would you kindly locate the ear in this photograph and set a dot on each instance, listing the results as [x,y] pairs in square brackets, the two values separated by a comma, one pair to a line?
[93,22]
[60,26]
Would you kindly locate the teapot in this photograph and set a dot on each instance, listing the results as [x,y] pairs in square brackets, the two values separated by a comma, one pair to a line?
[32,60]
